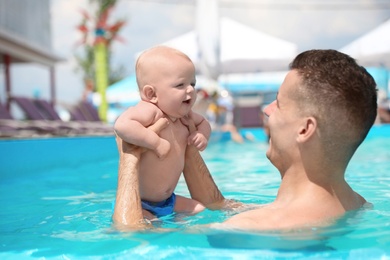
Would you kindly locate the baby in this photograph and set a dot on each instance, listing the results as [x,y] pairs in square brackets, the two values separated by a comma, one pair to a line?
[166,81]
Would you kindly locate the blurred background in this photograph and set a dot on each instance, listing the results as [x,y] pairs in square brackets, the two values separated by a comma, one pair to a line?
[241,48]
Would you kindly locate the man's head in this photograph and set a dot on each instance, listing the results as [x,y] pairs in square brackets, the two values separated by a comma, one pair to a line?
[166,77]
[326,98]
[339,93]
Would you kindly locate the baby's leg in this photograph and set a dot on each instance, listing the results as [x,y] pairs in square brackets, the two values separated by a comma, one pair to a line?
[188,206]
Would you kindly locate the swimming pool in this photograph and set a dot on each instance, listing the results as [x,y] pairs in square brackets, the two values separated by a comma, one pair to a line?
[57,194]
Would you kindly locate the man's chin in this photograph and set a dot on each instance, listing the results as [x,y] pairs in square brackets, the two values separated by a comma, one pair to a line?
[268,152]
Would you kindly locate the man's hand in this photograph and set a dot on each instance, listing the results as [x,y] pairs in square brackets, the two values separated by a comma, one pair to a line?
[124,147]
[195,138]
[187,121]
[198,140]
[128,211]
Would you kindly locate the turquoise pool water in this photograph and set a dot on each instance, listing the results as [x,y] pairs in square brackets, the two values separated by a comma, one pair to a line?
[56,197]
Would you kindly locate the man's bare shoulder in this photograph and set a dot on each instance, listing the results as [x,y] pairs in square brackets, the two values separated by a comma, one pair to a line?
[271,217]
[263,218]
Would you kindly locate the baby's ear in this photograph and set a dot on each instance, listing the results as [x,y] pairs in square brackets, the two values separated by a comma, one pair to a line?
[149,93]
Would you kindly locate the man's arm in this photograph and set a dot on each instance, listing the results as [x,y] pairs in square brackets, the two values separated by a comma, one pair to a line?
[198,178]
[128,211]
[201,124]
[200,182]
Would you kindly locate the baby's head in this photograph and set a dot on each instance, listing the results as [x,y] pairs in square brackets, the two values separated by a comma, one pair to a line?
[166,76]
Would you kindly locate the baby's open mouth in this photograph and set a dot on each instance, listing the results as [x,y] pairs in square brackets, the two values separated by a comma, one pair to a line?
[187,101]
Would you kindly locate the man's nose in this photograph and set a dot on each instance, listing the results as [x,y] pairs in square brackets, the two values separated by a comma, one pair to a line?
[270,108]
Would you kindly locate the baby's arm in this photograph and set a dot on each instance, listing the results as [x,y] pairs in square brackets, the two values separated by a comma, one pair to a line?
[131,126]
[200,137]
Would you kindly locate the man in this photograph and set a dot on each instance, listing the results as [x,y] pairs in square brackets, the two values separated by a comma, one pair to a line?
[323,112]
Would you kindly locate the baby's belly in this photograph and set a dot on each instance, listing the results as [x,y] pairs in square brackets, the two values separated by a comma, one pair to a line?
[158,178]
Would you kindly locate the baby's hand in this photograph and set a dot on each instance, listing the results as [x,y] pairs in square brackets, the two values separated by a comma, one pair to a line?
[198,140]
[163,148]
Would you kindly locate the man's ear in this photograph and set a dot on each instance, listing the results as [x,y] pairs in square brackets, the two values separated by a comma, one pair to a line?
[149,93]
[307,129]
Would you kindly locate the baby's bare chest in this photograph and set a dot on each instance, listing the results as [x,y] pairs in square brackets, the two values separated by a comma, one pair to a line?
[176,133]
[165,172]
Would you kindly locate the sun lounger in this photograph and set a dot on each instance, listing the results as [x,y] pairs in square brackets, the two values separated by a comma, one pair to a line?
[42,110]
[10,127]
[89,111]
[83,126]
[49,113]
[78,116]
[34,113]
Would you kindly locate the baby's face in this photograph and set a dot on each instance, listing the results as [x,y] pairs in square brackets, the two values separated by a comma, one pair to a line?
[175,86]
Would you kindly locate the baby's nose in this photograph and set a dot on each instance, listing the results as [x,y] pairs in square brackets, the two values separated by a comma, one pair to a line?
[190,89]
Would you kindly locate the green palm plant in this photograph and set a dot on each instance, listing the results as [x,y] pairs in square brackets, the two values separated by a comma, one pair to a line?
[97,38]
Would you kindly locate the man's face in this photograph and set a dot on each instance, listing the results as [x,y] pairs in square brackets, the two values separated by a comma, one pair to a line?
[283,124]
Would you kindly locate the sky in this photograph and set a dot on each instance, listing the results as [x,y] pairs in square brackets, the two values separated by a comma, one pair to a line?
[311,24]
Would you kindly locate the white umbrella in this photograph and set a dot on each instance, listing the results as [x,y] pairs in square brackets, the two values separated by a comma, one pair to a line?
[186,43]
[243,49]
[373,48]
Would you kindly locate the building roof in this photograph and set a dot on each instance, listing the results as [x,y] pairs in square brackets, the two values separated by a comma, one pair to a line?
[22,51]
